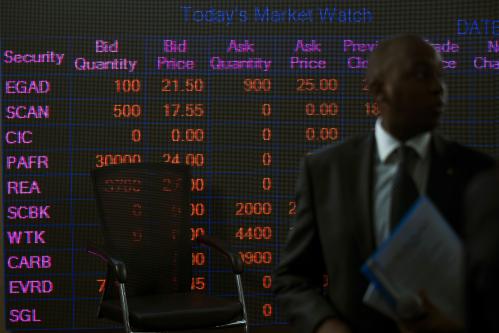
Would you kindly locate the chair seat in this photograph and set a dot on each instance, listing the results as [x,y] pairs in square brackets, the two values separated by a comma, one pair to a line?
[174,311]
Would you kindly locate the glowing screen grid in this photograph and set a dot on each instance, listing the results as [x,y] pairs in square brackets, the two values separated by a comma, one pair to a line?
[239,91]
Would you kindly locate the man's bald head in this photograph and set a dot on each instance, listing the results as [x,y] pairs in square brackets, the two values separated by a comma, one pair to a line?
[389,51]
[405,77]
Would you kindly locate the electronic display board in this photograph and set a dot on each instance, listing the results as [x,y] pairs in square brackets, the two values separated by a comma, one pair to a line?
[240,91]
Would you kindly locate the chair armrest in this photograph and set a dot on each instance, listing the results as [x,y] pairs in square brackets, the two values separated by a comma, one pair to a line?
[117,266]
[235,260]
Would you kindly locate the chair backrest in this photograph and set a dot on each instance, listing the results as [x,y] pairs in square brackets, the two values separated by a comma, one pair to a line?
[145,219]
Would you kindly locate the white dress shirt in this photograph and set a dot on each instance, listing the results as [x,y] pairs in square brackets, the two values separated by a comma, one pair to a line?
[385,166]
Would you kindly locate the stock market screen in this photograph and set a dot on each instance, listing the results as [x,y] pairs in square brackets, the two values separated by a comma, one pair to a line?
[239,91]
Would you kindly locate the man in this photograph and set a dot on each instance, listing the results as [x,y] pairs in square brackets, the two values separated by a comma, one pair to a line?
[344,196]
[482,249]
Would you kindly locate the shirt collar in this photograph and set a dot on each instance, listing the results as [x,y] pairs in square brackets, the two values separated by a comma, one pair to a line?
[387,143]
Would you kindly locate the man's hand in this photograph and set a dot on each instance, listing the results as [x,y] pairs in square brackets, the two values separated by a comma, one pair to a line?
[333,326]
[434,321]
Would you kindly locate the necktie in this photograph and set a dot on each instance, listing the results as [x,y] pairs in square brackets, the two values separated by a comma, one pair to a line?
[404,191]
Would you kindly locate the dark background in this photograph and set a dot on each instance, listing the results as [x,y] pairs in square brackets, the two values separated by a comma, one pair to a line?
[81,125]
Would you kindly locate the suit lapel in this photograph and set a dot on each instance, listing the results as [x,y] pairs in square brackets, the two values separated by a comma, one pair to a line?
[360,170]
[363,180]
[440,187]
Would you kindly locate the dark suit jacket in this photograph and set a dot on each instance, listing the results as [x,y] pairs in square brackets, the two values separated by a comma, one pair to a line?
[482,249]
[334,231]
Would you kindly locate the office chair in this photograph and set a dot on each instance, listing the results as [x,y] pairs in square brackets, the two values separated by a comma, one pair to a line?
[145,218]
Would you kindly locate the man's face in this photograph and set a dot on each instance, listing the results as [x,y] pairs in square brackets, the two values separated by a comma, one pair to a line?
[412,91]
